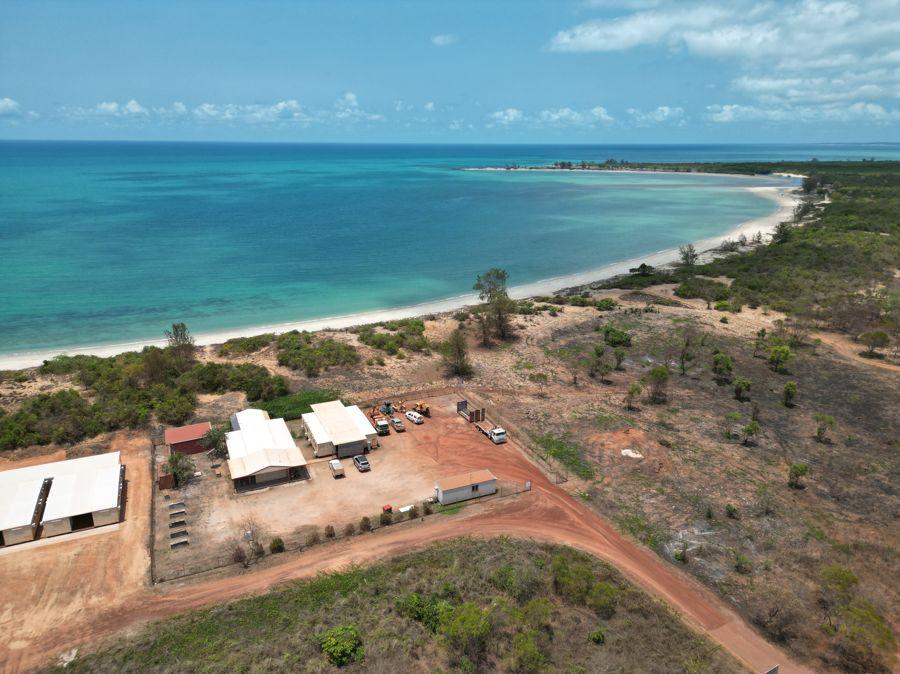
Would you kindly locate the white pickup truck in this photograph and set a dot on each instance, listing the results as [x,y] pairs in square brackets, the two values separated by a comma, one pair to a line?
[496,434]
[337,468]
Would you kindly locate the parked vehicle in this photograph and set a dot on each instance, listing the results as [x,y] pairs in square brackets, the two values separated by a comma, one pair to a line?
[496,434]
[382,427]
[337,468]
[422,409]
[415,417]
[361,463]
[397,423]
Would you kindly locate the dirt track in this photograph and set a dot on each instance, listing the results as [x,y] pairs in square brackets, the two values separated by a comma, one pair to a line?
[547,513]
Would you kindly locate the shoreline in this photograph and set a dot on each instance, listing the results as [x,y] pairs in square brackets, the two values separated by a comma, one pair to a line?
[785,197]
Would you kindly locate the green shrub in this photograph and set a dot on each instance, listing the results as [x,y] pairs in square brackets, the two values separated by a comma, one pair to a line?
[392,336]
[466,629]
[615,336]
[342,645]
[276,545]
[303,351]
[386,518]
[606,304]
[704,289]
[365,524]
[598,636]
[238,346]
[526,653]
[603,598]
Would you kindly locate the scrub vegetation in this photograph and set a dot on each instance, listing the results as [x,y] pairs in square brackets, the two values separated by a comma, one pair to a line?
[464,606]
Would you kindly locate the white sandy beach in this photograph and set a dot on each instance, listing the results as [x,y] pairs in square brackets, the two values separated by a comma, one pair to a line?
[786,199]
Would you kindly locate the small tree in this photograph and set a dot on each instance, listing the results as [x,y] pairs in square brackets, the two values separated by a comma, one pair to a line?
[386,518]
[732,419]
[750,431]
[741,386]
[876,339]
[619,354]
[365,524]
[540,379]
[456,354]
[329,531]
[214,441]
[413,513]
[759,343]
[349,529]
[722,366]
[686,354]
[276,545]
[181,345]
[789,393]
[659,381]
[688,255]
[824,423]
[796,472]
[239,556]
[779,355]
[181,466]
[634,390]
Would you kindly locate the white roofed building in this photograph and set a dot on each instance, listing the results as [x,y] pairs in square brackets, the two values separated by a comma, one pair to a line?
[262,451]
[333,428]
[59,497]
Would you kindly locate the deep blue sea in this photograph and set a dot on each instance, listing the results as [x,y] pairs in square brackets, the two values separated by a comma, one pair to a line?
[112,242]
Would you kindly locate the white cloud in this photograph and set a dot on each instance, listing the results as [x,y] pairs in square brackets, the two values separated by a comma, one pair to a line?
[400,106]
[347,108]
[10,108]
[444,39]
[662,114]
[601,115]
[507,116]
[429,106]
[858,112]
[562,116]
[837,55]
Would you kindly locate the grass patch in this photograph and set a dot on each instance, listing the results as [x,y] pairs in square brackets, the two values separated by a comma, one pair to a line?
[567,452]
[293,405]
[636,524]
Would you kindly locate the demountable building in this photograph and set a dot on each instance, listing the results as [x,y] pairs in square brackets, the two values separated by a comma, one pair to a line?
[262,451]
[333,428]
[465,486]
[59,497]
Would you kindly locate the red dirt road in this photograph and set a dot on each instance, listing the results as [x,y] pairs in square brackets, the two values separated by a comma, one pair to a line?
[547,513]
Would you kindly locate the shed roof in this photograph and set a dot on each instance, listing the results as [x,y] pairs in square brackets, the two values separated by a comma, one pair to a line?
[79,486]
[362,421]
[186,433]
[316,429]
[465,479]
[338,423]
[260,443]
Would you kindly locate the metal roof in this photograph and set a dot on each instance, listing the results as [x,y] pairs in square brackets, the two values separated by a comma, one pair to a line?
[186,433]
[465,479]
[80,486]
[259,444]
[341,426]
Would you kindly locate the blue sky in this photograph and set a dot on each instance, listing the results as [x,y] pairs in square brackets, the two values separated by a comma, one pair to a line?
[514,71]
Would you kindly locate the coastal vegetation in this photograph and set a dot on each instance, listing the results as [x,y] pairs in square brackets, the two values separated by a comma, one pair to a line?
[128,391]
[393,336]
[463,605]
[312,353]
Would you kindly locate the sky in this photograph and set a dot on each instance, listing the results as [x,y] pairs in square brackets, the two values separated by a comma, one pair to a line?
[513,71]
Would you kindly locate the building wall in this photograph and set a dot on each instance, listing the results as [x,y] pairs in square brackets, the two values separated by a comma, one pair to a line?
[57,527]
[325,449]
[466,493]
[188,447]
[280,474]
[18,535]
[351,449]
[110,516]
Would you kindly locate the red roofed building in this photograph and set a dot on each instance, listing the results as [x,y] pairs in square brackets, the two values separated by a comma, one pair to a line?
[186,439]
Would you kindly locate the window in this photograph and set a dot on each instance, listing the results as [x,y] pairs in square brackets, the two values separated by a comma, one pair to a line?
[474,487]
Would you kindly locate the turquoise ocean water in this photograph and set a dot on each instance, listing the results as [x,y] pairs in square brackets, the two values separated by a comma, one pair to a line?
[111,242]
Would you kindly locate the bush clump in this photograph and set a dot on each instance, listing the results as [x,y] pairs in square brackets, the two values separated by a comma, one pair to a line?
[276,545]
[301,351]
[294,405]
[342,645]
[240,346]
[408,333]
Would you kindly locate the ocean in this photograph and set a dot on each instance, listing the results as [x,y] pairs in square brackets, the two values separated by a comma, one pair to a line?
[112,242]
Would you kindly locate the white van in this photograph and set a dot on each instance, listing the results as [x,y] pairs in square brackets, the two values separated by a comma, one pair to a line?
[415,417]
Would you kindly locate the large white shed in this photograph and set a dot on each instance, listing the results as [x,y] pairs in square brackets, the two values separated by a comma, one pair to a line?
[59,497]
[262,451]
[333,428]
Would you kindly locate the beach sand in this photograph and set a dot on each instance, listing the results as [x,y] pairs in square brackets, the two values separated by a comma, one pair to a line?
[786,199]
